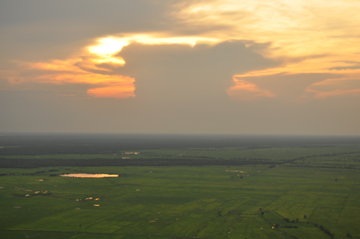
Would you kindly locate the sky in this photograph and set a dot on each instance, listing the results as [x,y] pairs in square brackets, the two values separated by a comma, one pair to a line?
[284,67]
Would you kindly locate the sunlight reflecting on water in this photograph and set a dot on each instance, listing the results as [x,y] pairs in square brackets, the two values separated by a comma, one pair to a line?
[88,175]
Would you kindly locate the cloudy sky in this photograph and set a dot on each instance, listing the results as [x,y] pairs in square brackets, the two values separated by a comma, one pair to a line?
[180,66]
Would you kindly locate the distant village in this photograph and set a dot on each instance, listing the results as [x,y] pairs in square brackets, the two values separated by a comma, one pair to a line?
[129,153]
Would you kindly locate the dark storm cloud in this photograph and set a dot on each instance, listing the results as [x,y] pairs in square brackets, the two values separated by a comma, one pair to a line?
[188,74]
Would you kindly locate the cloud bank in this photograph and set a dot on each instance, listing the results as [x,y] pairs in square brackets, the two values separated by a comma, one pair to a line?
[180,66]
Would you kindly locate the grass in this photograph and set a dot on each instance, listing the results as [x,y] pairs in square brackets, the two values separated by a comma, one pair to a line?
[188,202]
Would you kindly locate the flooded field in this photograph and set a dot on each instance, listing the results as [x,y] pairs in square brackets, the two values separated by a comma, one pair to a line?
[88,175]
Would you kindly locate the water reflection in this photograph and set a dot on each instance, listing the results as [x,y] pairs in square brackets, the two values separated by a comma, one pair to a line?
[89,175]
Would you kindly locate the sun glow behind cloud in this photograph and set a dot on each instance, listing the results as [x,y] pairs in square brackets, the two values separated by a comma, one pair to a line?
[87,67]
[306,36]
[107,47]
[295,27]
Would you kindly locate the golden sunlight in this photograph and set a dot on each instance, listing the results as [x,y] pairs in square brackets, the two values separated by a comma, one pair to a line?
[86,67]
[117,92]
[295,27]
[308,36]
[108,46]
[244,90]
[67,72]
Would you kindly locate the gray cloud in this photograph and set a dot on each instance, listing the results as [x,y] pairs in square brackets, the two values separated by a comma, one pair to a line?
[184,73]
[180,89]
[41,30]
[291,87]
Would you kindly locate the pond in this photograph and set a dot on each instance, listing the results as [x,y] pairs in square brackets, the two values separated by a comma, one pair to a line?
[89,175]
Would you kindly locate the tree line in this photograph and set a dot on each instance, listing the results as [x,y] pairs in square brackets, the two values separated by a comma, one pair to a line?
[35,163]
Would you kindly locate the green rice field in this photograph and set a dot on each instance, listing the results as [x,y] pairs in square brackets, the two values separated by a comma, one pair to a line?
[313,196]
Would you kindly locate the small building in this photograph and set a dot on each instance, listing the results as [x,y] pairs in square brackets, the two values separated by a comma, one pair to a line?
[130,153]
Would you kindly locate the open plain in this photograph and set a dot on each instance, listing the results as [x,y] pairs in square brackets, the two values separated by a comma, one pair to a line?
[292,192]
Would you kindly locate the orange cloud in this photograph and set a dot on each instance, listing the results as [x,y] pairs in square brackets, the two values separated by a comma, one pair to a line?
[338,92]
[345,77]
[94,66]
[346,86]
[68,72]
[294,27]
[244,90]
[117,91]
[308,37]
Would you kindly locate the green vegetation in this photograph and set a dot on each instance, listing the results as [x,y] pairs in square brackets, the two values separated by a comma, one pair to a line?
[237,192]
[337,156]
